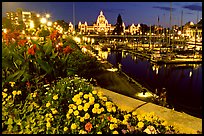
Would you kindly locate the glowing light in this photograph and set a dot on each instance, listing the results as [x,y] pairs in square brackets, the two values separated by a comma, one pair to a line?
[112,69]
[5,30]
[47,15]
[49,23]
[38,15]
[31,24]
[146,94]
[43,20]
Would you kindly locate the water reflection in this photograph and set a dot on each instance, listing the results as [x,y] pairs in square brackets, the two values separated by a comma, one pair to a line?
[182,82]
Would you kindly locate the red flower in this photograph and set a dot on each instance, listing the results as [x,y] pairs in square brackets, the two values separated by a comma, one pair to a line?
[88,127]
[31,51]
[67,50]
[28,84]
[109,118]
[22,42]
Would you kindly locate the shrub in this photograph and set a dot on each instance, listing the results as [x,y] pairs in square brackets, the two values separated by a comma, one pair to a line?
[71,106]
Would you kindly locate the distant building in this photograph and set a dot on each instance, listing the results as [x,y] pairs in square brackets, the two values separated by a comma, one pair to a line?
[101,26]
[190,29]
[20,15]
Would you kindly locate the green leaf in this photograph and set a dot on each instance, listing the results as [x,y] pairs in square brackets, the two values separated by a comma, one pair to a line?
[48,47]
[10,121]
[45,66]
[26,77]
[15,76]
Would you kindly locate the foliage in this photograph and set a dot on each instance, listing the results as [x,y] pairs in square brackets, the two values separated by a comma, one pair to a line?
[34,61]
[71,106]
[119,28]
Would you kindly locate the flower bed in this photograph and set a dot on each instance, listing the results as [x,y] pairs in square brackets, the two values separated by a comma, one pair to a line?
[71,106]
[41,95]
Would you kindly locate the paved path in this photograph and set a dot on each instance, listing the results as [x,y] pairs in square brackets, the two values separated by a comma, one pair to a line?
[183,122]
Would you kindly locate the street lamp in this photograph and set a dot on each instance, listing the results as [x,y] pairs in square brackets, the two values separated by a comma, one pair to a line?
[43,20]
[47,15]
[49,23]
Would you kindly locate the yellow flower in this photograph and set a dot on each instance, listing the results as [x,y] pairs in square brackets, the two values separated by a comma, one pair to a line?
[99,132]
[82,132]
[76,112]
[102,109]
[99,111]
[4,103]
[12,84]
[70,111]
[48,104]
[86,96]
[78,102]
[67,115]
[14,93]
[81,119]
[5,90]
[19,92]
[109,109]
[114,120]
[94,92]
[4,94]
[112,126]
[140,124]
[125,122]
[86,116]
[100,94]
[73,126]
[34,95]
[96,105]
[91,99]
[84,101]
[94,110]
[115,132]
[80,93]
[55,97]
[65,128]
[91,102]
[80,107]
[108,104]
[85,109]
[48,124]
[113,109]
[104,98]
[139,117]
[134,113]
[54,111]
[86,105]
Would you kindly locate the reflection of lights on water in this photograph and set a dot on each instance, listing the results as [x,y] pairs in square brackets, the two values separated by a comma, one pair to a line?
[190,74]
[147,94]
[157,70]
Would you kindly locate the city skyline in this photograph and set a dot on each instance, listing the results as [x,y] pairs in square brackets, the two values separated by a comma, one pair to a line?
[131,12]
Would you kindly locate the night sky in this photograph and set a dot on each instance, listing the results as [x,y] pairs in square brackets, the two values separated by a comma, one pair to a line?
[131,12]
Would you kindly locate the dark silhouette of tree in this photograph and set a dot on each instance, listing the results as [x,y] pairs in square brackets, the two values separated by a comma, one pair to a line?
[63,24]
[119,28]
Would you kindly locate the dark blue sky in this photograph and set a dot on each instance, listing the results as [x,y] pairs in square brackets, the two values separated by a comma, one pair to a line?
[131,12]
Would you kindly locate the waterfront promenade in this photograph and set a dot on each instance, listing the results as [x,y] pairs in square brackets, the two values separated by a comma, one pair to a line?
[183,122]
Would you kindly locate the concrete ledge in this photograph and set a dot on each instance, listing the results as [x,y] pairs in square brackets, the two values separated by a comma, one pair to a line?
[183,122]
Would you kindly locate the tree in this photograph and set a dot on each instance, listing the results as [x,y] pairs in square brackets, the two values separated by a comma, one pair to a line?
[7,23]
[63,24]
[119,28]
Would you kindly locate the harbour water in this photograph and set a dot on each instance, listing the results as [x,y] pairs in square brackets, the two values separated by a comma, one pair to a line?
[182,82]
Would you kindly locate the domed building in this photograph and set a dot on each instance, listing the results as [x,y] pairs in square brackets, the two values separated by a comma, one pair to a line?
[101,26]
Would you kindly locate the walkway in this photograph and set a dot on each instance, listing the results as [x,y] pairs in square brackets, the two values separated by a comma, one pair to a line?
[183,122]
